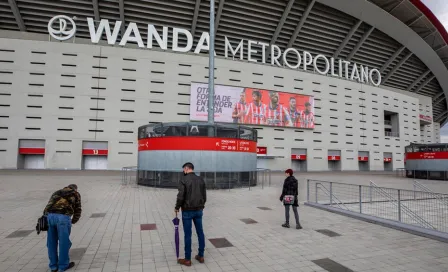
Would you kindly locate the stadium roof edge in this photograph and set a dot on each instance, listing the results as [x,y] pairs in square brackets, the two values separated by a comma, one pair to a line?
[387,23]
[432,18]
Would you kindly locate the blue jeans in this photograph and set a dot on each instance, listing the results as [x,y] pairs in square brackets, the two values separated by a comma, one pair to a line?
[187,218]
[59,227]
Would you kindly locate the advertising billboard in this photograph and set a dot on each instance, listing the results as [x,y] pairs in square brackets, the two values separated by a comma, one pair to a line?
[251,106]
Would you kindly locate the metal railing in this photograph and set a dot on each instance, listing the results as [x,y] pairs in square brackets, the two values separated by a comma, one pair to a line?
[401,207]
[391,134]
[129,175]
[441,197]
[400,172]
[263,175]
[424,209]
[329,193]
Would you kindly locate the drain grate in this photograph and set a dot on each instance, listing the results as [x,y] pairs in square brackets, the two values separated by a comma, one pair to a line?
[77,253]
[264,208]
[329,233]
[148,227]
[19,234]
[331,266]
[97,215]
[220,242]
[248,221]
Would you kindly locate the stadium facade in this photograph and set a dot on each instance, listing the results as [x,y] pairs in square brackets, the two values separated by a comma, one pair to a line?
[326,85]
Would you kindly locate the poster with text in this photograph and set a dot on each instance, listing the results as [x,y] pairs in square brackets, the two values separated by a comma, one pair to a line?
[253,106]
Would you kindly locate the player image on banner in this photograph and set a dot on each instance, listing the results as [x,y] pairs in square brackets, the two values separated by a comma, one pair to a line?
[240,109]
[256,112]
[277,115]
[307,117]
[293,112]
[252,106]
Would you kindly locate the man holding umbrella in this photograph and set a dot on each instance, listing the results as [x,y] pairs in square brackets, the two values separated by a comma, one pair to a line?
[191,198]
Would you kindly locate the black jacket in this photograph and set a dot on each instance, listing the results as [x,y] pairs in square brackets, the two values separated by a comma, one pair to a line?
[291,187]
[192,193]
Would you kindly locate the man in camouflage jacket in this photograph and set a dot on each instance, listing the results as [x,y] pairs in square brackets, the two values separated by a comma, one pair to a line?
[62,205]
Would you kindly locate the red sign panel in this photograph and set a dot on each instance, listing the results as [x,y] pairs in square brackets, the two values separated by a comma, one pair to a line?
[261,150]
[298,157]
[425,118]
[95,152]
[363,158]
[387,159]
[334,158]
[197,143]
[31,151]
[443,155]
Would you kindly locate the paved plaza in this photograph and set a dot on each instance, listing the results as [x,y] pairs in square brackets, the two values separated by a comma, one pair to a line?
[129,228]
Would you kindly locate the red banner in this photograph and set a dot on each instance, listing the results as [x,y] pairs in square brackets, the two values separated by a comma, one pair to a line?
[425,118]
[363,158]
[95,152]
[298,157]
[334,158]
[387,159]
[262,150]
[443,155]
[197,143]
[31,150]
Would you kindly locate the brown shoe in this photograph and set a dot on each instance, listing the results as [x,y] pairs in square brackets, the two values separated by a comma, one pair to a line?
[200,259]
[184,262]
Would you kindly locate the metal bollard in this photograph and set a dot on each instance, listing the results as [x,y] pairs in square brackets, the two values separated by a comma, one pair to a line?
[399,205]
[331,193]
[360,199]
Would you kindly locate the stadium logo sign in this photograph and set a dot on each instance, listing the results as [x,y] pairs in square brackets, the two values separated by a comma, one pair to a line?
[61,33]
[302,60]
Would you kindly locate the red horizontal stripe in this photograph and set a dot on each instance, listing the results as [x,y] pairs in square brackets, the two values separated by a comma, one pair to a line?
[363,158]
[262,150]
[197,143]
[31,150]
[298,157]
[95,152]
[443,155]
[387,159]
[334,158]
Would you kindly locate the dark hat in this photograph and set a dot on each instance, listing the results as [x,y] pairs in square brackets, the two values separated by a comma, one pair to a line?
[73,186]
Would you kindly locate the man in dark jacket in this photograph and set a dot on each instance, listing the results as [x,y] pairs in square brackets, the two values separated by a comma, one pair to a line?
[62,205]
[191,198]
[291,188]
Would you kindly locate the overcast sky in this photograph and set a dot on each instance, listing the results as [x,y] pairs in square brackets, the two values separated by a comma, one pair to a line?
[440,9]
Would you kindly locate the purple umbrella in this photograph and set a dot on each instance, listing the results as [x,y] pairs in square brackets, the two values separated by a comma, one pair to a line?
[176,234]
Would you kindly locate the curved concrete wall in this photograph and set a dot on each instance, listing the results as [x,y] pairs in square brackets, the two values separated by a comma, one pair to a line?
[83,92]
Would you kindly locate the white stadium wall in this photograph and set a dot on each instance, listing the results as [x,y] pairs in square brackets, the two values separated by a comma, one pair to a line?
[67,93]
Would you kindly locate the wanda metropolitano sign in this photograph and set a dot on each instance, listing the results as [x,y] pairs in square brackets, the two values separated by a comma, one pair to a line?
[62,27]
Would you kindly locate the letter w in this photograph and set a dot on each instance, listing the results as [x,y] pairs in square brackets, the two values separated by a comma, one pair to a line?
[95,36]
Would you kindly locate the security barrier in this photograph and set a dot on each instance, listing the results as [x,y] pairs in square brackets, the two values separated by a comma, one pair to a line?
[420,212]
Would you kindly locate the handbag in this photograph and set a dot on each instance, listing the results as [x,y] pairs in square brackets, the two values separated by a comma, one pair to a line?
[288,199]
[42,224]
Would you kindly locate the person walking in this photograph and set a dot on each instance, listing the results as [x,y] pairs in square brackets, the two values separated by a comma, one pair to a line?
[289,197]
[62,205]
[191,199]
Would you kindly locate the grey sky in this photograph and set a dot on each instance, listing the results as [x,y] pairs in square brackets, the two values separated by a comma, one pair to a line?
[440,10]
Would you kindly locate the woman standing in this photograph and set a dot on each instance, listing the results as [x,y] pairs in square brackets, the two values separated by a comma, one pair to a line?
[290,197]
